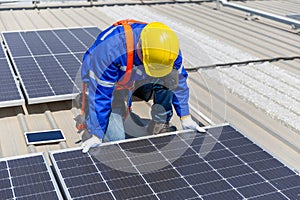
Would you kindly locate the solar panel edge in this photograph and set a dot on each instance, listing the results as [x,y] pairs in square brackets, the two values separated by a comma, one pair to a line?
[16,102]
[58,172]
[21,156]
[218,125]
[55,184]
[11,103]
[47,29]
[65,150]
[126,140]
[48,99]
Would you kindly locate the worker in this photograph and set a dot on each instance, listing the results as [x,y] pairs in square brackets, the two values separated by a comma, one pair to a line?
[134,59]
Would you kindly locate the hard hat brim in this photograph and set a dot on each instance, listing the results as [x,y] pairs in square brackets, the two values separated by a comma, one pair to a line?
[151,71]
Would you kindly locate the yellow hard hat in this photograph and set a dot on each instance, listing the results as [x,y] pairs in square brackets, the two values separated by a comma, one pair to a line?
[160,48]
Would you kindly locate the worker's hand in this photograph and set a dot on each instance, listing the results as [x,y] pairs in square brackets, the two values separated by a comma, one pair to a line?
[80,123]
[92,142]
[188,123]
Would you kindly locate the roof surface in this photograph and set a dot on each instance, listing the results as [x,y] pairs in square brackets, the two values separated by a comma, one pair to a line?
[261,100]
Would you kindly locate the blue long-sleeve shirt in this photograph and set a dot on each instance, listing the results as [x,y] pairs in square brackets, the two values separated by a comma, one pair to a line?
[104,64]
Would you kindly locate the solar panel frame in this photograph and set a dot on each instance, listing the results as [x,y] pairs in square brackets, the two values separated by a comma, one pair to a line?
[37,94]
[20,182]
[18,101]
[205,177]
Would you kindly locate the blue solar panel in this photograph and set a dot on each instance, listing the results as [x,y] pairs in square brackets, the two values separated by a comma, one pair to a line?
[69,62]
[48,61]
[53,42]
[56,75]
[84,36]
[177,166]
[79,55]
[2,54]
[295,16]
[72,42]
[34,43]
[27,177]
[10,93]
[27,69]
[17,47]
[94,32]
[42,137]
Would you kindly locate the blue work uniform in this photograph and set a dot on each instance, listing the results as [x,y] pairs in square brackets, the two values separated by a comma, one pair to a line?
[104,64]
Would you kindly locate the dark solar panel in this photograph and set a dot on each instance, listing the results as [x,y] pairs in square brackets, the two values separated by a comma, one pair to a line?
[53,42]
[72,42]
[27,177]
[10,93]
[177,166]
[84,36]
[92,31]
[48,61]
[296,16]
[34,43]
[42,137]
[2,54]
[17,47]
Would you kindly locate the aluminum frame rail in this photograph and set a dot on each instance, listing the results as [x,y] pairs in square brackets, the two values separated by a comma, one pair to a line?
[295,24]
[38,4]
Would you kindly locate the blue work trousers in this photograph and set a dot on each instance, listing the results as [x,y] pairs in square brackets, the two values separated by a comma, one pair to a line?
[161,110]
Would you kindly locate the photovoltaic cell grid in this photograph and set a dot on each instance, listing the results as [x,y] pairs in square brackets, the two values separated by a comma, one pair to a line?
[48,61]
[222,164]
[10,94]
[27,177]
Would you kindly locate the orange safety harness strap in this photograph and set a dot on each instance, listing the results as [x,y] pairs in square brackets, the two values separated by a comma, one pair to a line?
[123,84]
[130,49]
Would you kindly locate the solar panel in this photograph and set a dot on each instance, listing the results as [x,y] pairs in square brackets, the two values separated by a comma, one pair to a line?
[48,61]
[27,177]
[2,54]
[10,93]
[294,16]
[43,137]
[222,164]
